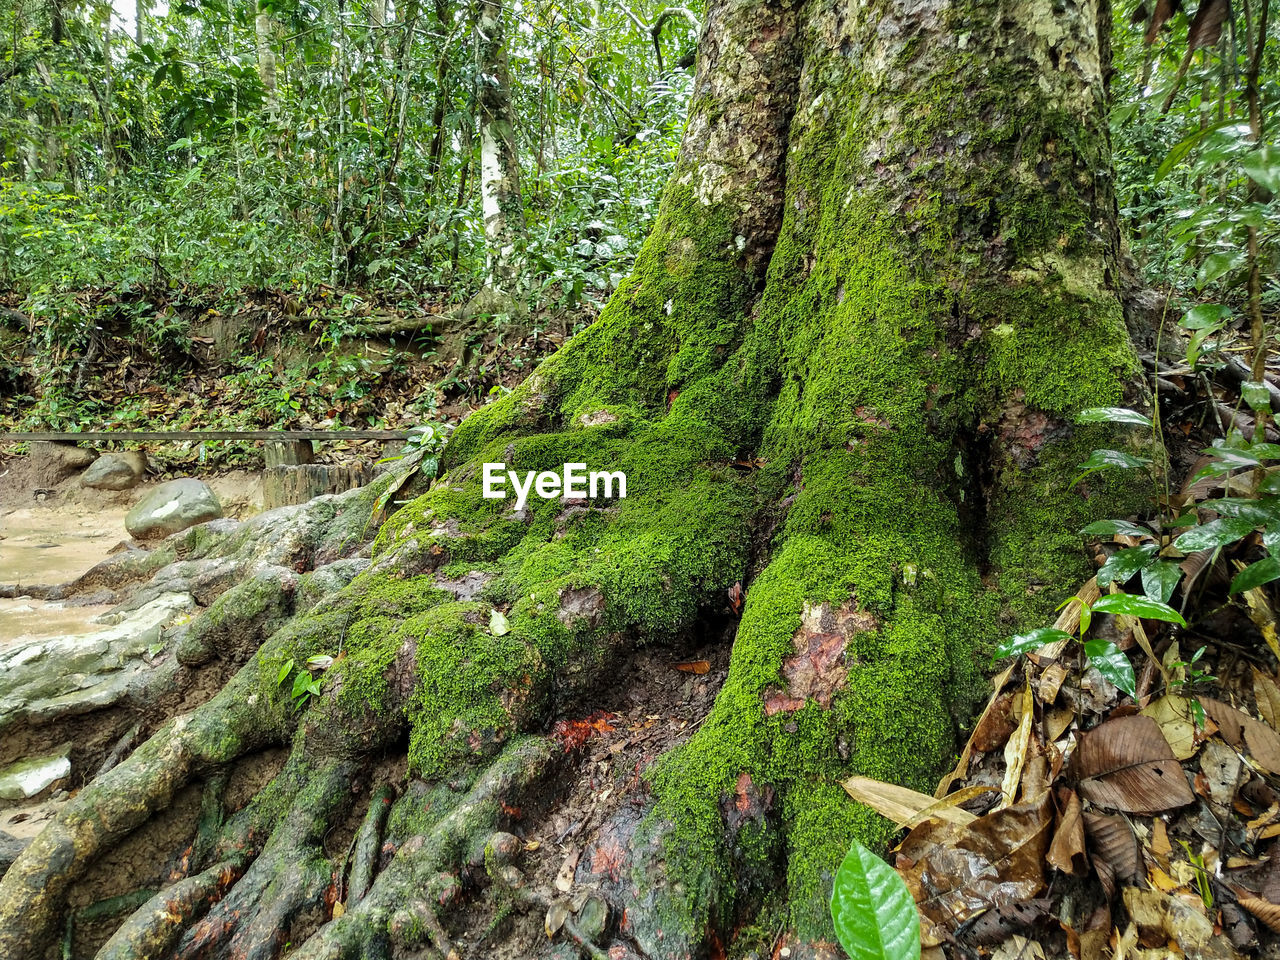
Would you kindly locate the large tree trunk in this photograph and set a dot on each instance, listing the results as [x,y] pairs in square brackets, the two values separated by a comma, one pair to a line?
[884,276]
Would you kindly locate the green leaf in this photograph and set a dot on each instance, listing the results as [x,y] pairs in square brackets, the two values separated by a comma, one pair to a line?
[1105,460]
[1133,606]
[874,915]
[1256,395]
[1113,528]
[1215,266]
[498,625]
[1113,415]
[1123,564]
[1112,664]
[1031,640]
[285,669]
[1160,579]
[1256,574]
[1205,316]
[1214,534]
[1260,511]
[1263,167]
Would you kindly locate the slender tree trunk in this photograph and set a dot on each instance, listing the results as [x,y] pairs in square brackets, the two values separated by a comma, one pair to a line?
[263,26]
[884,273]
[500,197]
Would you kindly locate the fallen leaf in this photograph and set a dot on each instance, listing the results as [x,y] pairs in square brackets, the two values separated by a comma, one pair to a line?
[564,878]
[1160,846]
[1066,852]
[1051,682]
[1267,695]
[557,914]
[1126,764]
[1019,948]
[1015,751]
[694,666]
[1116,855]
[1221,767]
[906,807]
[1264,910]
[1243,731]
[1173,714]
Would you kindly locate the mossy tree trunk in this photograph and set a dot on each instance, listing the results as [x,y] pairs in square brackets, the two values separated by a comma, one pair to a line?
[884,275]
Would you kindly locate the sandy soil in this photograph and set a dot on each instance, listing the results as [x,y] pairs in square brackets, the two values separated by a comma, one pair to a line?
[51,535]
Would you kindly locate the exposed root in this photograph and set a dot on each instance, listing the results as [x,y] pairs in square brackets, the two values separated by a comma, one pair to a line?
[419,862]
[289,877]
[368,844]
[32,891]
[154,929]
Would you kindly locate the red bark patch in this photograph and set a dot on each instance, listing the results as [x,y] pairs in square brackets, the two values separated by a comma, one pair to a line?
[818,669]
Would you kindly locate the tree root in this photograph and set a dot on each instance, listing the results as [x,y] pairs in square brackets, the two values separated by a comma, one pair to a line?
[368,925]
[289,876]
[32,891]
[154,929]
[368,844]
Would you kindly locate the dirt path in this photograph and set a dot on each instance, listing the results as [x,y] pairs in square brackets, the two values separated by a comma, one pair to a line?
[63,534]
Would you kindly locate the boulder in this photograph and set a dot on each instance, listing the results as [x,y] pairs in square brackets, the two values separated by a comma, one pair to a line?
[115,471]
[30,777]
[171,507]
[57,461]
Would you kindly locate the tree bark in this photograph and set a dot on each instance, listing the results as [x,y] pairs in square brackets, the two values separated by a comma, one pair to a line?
[500,195]
[884,276]
[263,28]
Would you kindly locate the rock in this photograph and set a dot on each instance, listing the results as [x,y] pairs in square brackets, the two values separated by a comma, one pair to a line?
[27,778]
[115,471]
[57,461]
[10,847]
[171,507]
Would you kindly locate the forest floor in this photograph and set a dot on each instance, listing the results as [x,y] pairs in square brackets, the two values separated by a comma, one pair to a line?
[204,360]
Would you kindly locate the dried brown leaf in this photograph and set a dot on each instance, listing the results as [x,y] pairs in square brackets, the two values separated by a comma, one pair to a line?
[1244,732]
[1115,849]
[1126,764]
[1264,910]
[1267,695]
[906,807]
[1066,852]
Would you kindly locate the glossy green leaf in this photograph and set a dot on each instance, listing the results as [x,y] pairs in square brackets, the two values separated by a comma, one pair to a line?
[1113,415]
[1263,167]
[871,907]
[1112,528]
[1256,395]
[1256,574]
[1206,316]
[1160,579]
[1259,511]
[1032,640]
[1112,664]
[1122,565]
[1217,265]
[1108,459]
[1214,534]
[1134,606]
